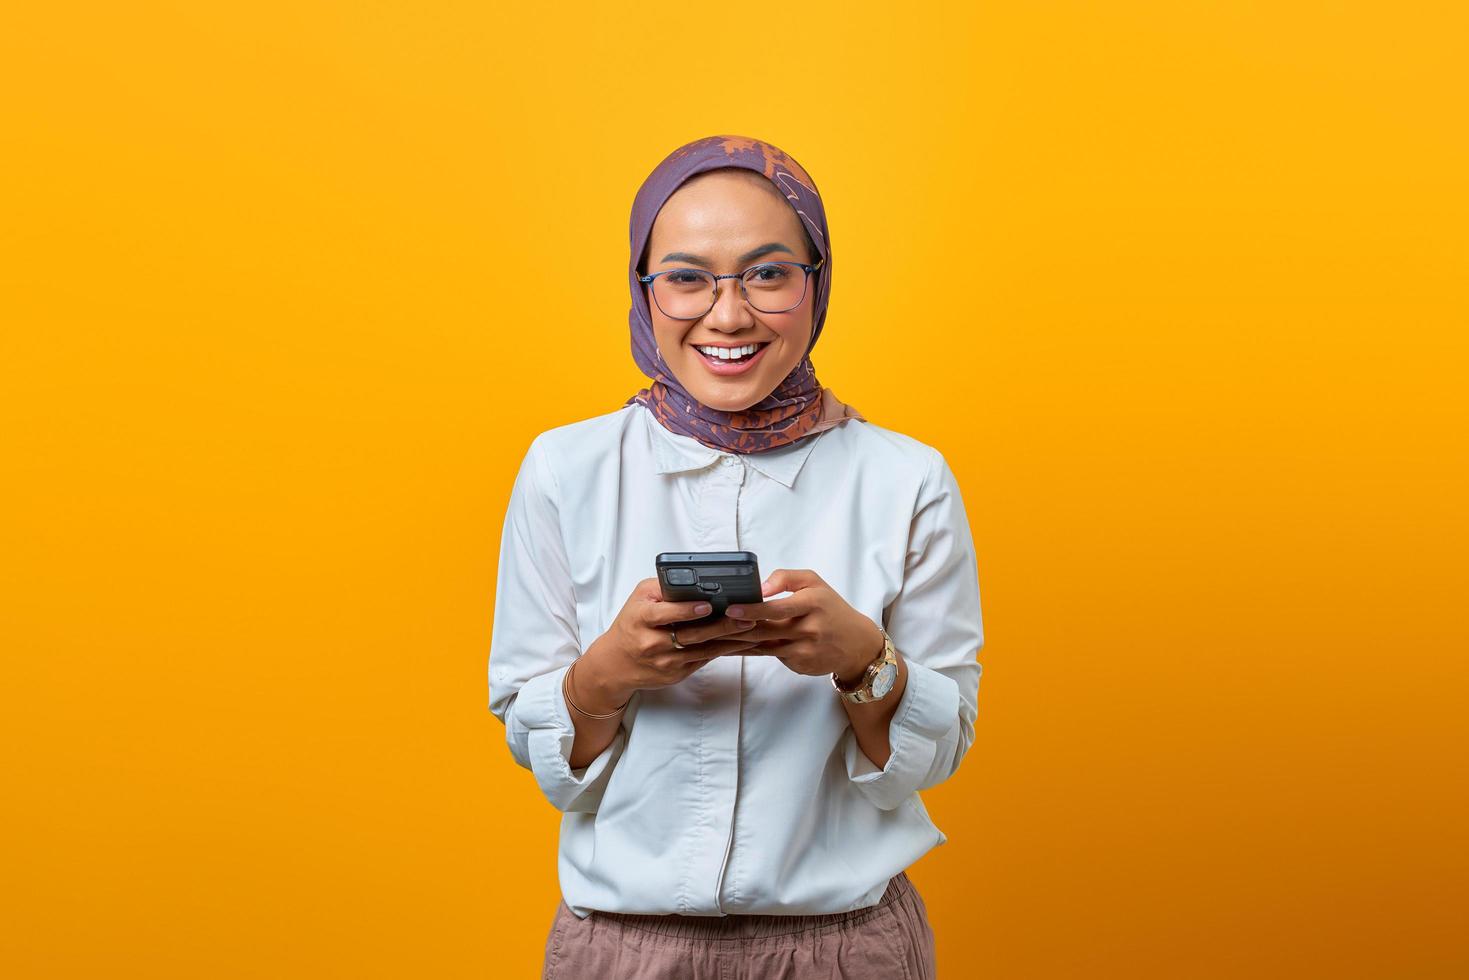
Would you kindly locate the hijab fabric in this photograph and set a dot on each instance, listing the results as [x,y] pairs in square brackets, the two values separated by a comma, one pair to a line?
[799,406]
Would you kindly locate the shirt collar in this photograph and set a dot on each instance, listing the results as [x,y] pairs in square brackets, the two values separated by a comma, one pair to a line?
[677,453]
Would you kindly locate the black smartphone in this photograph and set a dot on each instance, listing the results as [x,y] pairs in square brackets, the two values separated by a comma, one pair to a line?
[721,578]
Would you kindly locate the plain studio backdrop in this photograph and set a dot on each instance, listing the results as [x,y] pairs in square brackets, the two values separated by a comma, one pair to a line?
[286,289]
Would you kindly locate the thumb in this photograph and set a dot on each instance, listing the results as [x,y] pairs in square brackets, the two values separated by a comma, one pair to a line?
[788,580]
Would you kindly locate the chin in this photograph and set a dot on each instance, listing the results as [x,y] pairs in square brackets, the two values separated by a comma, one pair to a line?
[725,403]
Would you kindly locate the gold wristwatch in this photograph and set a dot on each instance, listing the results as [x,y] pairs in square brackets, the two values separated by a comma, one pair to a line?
[879,677]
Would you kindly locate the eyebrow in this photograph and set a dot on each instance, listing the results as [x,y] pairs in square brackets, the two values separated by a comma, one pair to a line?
[749,256]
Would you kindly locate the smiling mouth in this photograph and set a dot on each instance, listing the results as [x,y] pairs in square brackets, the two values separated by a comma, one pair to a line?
[716,359]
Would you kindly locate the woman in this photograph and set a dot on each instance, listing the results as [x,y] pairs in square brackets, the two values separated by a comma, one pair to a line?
[739,798]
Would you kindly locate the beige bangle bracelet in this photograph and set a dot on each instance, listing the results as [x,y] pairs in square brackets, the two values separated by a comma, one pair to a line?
[566,690]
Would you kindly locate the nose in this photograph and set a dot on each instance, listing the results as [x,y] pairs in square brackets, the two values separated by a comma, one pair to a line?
[730,309]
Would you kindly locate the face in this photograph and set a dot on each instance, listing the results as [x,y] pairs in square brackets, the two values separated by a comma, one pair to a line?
[724,223]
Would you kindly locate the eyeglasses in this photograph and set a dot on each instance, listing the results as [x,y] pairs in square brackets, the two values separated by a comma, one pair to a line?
[770,287]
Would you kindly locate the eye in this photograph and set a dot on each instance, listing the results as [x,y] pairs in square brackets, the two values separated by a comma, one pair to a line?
[685,277]
[769,273]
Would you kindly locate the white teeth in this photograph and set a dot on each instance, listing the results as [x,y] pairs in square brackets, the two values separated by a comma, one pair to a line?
[726,353]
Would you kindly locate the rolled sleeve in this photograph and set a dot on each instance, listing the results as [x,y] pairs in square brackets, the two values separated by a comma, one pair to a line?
[541,731]
[534,640]
[936,625]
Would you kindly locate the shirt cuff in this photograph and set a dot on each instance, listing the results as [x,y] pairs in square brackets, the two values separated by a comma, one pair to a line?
[541,711]
[926,717]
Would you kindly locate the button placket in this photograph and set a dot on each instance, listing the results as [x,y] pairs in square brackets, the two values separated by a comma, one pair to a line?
[719,684]
[726,882]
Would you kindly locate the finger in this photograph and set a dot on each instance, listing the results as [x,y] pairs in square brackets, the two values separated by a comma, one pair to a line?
[787,608]
[777,645]
[719,648]
[702,641]
[790,580]
[698,635]
[766,631]
[724,626]
[663,613]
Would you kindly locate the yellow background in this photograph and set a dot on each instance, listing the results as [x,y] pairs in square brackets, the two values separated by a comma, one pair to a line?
[286,290]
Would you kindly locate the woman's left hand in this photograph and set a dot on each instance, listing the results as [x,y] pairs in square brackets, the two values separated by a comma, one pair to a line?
[813,631]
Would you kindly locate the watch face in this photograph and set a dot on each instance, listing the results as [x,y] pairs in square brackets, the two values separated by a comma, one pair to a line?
[886,677]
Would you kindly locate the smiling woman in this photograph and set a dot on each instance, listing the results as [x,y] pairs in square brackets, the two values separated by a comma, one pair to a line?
[739,794]
[720,221]
[714,206]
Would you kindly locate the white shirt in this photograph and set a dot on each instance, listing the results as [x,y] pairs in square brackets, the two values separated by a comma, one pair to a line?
[740,789]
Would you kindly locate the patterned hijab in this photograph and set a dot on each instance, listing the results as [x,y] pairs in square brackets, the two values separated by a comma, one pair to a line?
[799,406]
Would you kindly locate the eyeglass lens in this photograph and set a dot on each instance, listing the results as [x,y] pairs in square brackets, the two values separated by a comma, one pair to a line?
[773,287]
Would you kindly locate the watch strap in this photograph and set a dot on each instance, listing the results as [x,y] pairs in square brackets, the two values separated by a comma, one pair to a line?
[862,691]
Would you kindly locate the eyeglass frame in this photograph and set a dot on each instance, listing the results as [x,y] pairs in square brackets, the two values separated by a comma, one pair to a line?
[805,285]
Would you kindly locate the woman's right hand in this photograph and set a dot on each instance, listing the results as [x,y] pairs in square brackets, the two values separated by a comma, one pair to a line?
[637,653]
